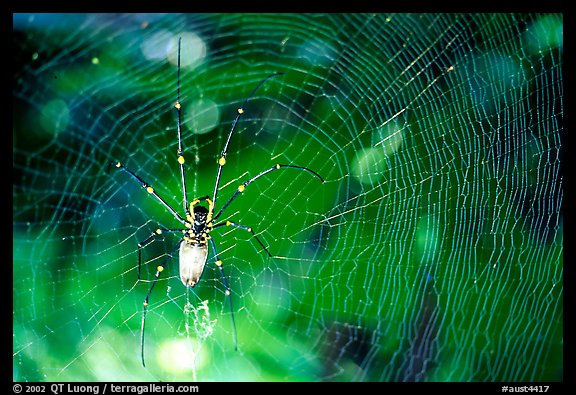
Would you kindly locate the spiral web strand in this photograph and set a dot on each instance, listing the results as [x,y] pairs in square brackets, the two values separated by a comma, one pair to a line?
[433,252]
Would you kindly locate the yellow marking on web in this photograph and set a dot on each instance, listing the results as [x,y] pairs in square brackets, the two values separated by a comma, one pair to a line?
[222,161]
[240,110]
[241,188]
[181,159]
[228,223]
[249,229]
[158,231]
[218,263]
[150,189]
[118,164]
[145,303]
[177,105]
[227,292]
[160,268]
[277,167]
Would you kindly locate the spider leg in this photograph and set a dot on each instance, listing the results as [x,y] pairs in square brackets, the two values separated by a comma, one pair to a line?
[243,186]
[149,189]
[179,155]
[239,112]
[159,270]
[148,240]
[228,292]
[246,228]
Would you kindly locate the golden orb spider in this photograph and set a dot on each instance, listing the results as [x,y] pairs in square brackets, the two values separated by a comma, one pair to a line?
[198,221]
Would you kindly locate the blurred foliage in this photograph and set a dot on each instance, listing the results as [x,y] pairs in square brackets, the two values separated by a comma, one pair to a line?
[432,253]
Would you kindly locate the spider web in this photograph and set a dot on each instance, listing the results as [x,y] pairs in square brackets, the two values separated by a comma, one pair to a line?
[432,253]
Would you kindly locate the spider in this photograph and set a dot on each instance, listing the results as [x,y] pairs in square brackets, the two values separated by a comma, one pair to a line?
[199,221]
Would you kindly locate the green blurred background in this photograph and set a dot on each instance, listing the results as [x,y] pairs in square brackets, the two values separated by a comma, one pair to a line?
[432,253]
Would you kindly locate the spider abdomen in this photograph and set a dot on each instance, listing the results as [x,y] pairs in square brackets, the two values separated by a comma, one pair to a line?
[192,262]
